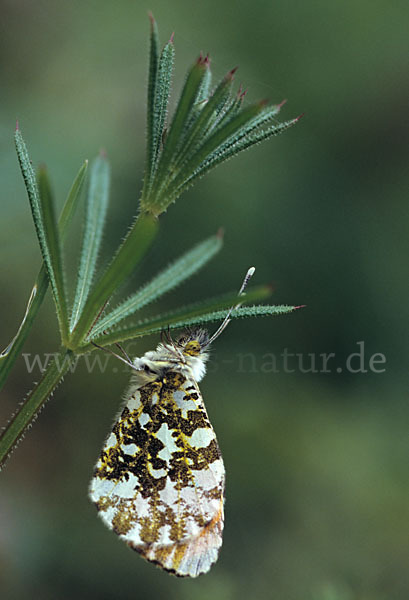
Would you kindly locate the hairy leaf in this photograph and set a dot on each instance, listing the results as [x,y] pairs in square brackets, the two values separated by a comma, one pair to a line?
[177,272]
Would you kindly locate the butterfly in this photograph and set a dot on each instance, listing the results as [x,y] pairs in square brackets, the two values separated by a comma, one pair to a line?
[159,482]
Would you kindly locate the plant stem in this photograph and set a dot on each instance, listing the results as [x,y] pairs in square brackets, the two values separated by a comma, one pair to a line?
[32,405]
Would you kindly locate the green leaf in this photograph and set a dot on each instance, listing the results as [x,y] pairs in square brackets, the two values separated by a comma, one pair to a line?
[229,111]
[228,150]
[53,251]
[13,349]
[44,220]
[266,115]
[96,208]
[30,408]
[129,254]
[152,79]
[206,116]
[220,135]
[71,202]
[162,93]
[209,145]
[174,275]
[189,315]
[193,86]
[182,115]
[204,88]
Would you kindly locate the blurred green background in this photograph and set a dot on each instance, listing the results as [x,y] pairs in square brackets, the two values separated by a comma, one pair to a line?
[317,478]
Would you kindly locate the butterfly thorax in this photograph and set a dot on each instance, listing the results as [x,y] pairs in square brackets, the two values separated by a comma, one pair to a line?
[187,355]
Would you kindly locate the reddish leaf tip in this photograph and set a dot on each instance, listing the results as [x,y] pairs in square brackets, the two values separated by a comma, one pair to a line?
[103,153]
[203,61]
[172,37]
[231,73]
[299,117]
[151,17]
[17,126]
[220,233]
[301,306]
[282,103]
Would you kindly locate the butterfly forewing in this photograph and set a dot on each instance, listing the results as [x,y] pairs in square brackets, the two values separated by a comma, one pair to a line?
[159,481]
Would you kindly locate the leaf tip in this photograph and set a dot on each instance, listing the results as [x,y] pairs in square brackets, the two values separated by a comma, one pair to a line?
[300,306]
[203,61]
[281,103]
[241,93]
[220,233]
[103,153]
[172,37]
[299,117]
[17,125]
[151,18]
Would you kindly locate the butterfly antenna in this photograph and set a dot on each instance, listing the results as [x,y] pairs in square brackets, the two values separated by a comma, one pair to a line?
[109,351]
[227,319]
[123,352]
[166,338]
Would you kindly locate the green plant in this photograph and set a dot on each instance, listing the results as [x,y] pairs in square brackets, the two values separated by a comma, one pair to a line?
[207,128]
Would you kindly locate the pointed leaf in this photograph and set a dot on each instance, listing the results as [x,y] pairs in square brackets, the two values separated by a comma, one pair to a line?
[189,320]
[209,146]
[152,79]
[266,115]
[162,92]
[44,220]
[227,151]
[71,202]
[181,117]
[174,275]
[131,251]
[54,251]
[230,110]
[204,89]
[13,349]
[96,208]
[208,113]
[184,316]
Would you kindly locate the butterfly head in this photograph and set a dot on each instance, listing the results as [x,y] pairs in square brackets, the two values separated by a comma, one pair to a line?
[193,342]
[191,347]
[187,355]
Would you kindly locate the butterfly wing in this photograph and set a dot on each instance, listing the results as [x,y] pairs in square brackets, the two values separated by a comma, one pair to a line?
[159,481]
